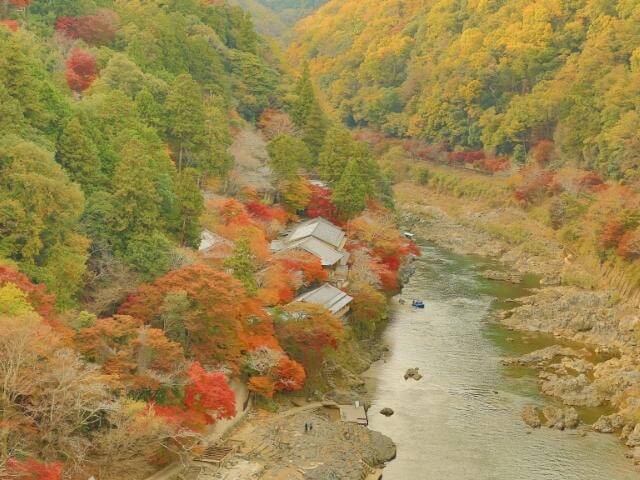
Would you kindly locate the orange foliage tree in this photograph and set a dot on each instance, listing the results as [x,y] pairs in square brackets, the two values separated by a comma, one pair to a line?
[307,331]
[138,355]
[217,318]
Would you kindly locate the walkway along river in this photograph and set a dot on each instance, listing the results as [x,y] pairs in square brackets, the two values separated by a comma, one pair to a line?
[462,420]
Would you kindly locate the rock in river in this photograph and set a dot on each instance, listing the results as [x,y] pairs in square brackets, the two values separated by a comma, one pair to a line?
[560,418]
[531,416]
[608,423]
[413,373]
[387,412]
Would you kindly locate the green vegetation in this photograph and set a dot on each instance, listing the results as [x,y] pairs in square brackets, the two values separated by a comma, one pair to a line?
[103,172]
[500,76]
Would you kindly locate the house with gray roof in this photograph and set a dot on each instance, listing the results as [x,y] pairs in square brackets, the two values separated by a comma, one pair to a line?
[329,256]
[330,297]
[321,229]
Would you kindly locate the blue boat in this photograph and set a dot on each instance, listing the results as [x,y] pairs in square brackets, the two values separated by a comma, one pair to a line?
[417,304]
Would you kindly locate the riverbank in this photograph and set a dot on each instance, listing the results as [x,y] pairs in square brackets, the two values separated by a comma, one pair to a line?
[603,370]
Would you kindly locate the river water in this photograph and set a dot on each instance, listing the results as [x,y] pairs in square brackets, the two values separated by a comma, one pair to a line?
[462,420]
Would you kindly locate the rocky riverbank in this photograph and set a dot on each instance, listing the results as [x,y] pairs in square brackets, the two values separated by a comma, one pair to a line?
[595,364]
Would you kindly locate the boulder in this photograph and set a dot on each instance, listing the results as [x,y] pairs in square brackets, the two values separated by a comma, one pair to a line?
[387,412]
[413,373]
[560,418]
[531,416]
[608,423]
[633,440]
[511,277]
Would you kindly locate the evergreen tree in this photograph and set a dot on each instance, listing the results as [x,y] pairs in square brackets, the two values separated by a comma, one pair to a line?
[315,130]
[78,154]
[337,150]
[135,197]
[186,111]
[190,206]
[307,114]
[150,110]
[287,155]
[304,98]
[350,192]
[243,265]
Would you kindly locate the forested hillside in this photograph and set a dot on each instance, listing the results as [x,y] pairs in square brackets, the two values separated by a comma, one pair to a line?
[504,76]
[276,17]
[96,105]
[119,331]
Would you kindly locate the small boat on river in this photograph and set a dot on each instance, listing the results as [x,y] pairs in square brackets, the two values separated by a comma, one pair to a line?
[417,304]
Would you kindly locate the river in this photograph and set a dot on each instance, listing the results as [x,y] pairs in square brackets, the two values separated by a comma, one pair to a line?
[462,420]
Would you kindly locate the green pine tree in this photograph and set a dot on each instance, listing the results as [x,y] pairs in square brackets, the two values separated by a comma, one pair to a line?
[243,265]
[135,198]
[77,153]
[190,206]
[186,129]
[350,193]
[314,130]
[337,150]
[287,155]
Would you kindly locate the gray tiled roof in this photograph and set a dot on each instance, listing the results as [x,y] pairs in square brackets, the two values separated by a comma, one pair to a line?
[330,297]
[319,228]
[328,255]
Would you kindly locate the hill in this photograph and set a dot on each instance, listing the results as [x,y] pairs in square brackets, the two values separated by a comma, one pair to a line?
[275,18]
[502,76]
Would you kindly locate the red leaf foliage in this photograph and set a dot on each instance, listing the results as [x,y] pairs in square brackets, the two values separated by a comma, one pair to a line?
[306,331]
[33,470]
[97,29]
[290,375]
[611,234]
[592,182]
[81,70]
[12,25]
[629,245]
[267,213]
[42,301]
[320,204]
[209,393]
[535,185]
[308,264]
[221,320]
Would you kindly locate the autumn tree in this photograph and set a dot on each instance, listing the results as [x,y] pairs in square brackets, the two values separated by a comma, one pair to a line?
[307,332]
[143,359]
[81,70]
[215,314]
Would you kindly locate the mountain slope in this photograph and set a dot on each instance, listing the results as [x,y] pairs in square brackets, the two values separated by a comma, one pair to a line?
[275,18]
[499,75]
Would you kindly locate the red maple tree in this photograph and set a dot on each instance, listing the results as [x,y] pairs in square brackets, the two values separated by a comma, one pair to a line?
[81,70]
